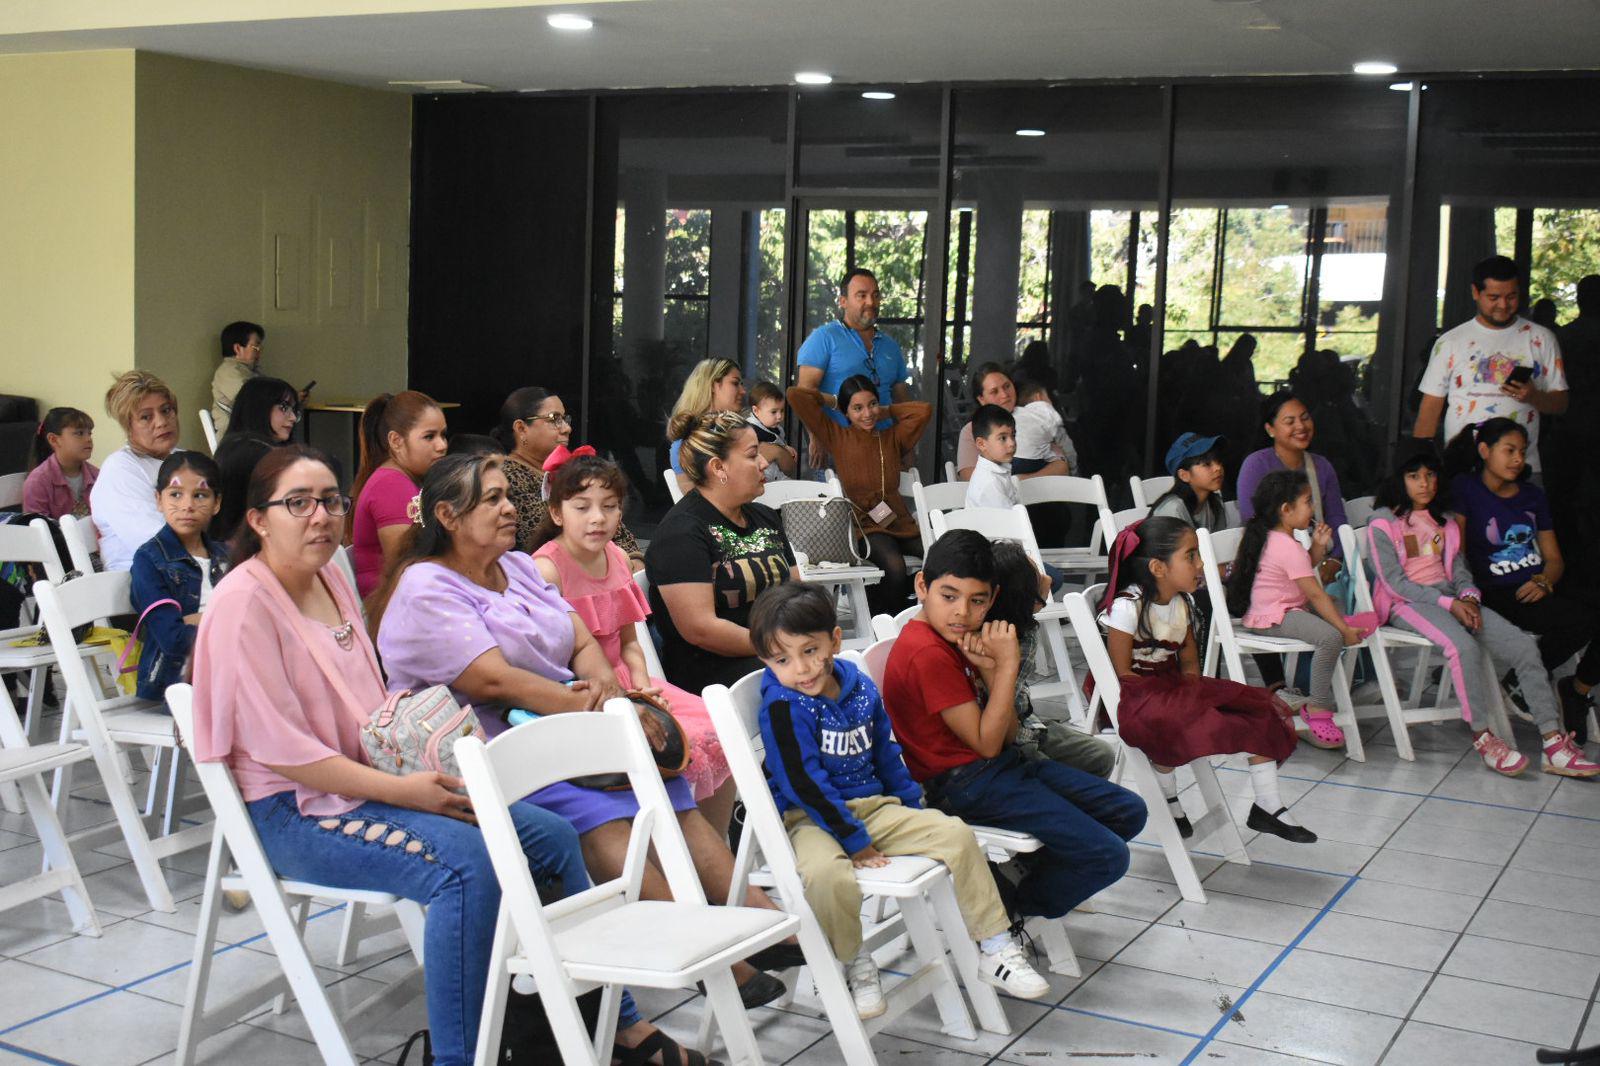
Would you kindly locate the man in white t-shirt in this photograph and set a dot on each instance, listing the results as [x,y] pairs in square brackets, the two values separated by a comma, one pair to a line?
[1495,365]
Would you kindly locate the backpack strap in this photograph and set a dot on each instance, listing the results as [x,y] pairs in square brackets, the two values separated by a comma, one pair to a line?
[122,660]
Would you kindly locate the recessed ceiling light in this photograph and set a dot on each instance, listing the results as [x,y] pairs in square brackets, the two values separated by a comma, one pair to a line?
[877,94]
[438,85]
[1028,132]
[1401,86]
[1278,207]
[813,77]
[570,22]
[1374,66]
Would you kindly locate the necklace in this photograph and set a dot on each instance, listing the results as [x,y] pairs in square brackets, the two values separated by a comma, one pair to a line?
[344,635]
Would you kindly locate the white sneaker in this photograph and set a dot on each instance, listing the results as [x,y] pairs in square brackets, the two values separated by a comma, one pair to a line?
[1010,971]
[865,987]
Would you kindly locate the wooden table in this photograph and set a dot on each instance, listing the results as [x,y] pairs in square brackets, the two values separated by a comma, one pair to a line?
[350,407]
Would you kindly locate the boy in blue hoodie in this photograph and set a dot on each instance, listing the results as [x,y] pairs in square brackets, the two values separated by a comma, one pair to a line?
[847,799]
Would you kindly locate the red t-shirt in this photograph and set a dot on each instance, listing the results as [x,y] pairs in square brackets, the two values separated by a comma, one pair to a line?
[926,676]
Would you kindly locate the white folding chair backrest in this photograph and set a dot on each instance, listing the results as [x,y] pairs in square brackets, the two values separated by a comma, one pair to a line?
[11,486]
[341,555]
[670,479]
[944,496]
[1218,548]
[909,478]
[876,659]
[83,541]
[209,427]
[996,523]
[1147,490]
[222,793]
[641,632]
[1357,551]
[950,471]
[32,543]
[1081,612]
[775,494]
[1358,511]
[1230,511]
[1060,488]
[1126,517]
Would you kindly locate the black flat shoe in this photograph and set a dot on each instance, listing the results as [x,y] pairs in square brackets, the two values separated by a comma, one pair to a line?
[1262,822]
[1185,827]
[1574,711]
[672,1053]
[778,957]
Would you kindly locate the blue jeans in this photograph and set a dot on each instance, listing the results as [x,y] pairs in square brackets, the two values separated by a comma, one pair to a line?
[1083,821]
[440,862]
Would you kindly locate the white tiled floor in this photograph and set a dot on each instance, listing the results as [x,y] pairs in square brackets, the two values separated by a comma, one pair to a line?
[1447,917]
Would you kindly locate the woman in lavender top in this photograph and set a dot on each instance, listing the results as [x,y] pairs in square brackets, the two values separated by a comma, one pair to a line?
[1289,424]
[463,609]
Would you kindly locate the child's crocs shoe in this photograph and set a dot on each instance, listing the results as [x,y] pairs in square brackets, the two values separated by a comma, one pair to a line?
[1323,733]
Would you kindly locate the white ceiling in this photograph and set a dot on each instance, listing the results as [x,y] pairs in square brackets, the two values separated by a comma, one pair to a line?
[653,43]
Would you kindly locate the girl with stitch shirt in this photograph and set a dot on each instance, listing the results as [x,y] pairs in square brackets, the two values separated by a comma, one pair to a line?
[575,551]
[1422,583]
[62,474]
[1167,709]
[1274,587]
[173,572]
[1517,561]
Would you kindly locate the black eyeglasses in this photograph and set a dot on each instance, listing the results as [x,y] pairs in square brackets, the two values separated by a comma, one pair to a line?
[302,506]
[553,418]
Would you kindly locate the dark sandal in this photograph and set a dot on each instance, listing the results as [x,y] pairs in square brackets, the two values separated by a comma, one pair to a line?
[672,1054]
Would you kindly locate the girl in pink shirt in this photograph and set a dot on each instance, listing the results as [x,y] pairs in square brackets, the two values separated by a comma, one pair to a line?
[62,475]
[402,435]
[1274,587]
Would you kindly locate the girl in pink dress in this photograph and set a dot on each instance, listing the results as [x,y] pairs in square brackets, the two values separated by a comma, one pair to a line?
[575,553]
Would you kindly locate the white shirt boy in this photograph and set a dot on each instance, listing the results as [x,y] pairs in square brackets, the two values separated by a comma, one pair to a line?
[1041,434]
[992,485]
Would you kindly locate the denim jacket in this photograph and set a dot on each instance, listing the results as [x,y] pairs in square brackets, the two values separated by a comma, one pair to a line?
[163,569]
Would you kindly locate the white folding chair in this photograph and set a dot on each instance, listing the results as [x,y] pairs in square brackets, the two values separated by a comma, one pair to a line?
[109,725]
[909,478]
[1087,492]
[22,768]
[926,499]
[920,887]
[1402,714]
[775,494]
[1358,512]
[1218,547]
[1147,490]
[83,542]
[11,486]
[1126,517]
[950,472]
[670,479]
[209,428]
[30,544]
[1215,824]
[998,523]
[604,936]
[1000,845]
[283,907]
[641,630]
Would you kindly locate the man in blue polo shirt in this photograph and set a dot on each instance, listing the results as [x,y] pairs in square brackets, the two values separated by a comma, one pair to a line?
[852,346]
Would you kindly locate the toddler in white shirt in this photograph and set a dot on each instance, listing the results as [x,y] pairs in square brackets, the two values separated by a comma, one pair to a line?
[1041,435]
[994,434]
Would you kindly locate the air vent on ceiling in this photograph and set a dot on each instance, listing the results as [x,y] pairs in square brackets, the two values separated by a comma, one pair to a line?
[438,86]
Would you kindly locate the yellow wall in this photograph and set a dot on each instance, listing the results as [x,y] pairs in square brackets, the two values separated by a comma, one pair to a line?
[67,220]
[273,199]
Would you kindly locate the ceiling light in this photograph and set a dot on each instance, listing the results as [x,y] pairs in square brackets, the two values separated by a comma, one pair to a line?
[1030,133]
[1262,23]
[877,94]
[813,77]
[1374,66]
[1278,207]
[570,22]
[1401,86]
[438,85]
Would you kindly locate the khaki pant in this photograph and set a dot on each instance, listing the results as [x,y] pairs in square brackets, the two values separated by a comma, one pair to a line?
[829,875]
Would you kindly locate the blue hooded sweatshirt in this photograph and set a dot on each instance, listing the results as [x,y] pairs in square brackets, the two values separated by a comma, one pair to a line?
[822,752]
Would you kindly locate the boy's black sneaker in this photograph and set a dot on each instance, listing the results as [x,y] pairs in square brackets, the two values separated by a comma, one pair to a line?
[1574,711]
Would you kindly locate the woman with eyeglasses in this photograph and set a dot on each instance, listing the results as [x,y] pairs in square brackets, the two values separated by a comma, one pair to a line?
[533,423]
[265,412]
[402,436]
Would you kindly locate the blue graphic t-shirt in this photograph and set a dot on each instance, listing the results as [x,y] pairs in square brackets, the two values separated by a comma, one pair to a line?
[1502,533]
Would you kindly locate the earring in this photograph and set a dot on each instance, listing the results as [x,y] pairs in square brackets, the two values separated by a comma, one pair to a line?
[723,479]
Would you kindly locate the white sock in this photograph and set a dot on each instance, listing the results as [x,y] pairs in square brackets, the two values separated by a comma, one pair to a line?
[1264,780]
[991,945]
[1169,784]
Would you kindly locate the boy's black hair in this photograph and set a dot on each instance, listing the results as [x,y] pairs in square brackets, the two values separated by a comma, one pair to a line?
[474,444]
[199,462]
[762,391]
[990,417]
[794,607]
[1392,491]
[1016,596]
[962,554]
[239,333]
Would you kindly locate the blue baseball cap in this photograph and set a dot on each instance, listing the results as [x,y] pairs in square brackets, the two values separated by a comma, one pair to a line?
[1187,446]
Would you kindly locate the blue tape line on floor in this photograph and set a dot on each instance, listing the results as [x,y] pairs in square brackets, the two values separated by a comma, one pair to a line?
[34,1055]
[147,977]
[1126,1021]
[1244,996]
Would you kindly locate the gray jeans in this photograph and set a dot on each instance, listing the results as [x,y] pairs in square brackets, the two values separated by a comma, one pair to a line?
[1476,659]
[1311,629]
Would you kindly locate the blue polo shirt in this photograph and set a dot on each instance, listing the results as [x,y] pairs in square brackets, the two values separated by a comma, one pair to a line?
[839,352]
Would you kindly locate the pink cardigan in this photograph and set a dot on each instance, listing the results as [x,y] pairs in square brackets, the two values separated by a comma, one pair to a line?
[260,700]
[46,490]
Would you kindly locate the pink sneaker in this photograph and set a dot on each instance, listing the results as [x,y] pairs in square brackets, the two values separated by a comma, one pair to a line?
[1498,756]
[1563,757]
[1322,732]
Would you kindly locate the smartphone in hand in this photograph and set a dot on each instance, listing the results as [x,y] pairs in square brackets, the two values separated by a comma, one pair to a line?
[1520,376]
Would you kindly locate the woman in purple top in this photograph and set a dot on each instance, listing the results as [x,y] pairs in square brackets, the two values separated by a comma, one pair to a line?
[1289,424]
[463,609]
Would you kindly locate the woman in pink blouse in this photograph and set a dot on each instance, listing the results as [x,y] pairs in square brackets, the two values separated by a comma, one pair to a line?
[284,678]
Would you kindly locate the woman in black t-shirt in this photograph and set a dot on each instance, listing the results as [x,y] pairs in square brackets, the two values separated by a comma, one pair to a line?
[713,554]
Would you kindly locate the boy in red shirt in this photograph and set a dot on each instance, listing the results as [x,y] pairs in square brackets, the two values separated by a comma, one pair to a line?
[959,743]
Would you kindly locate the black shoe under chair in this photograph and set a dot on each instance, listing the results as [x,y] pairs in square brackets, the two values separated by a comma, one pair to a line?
[1574,711]
[1185,827]
[1262,822]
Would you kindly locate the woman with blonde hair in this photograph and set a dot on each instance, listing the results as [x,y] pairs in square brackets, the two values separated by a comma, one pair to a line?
[123,500]
[714,385]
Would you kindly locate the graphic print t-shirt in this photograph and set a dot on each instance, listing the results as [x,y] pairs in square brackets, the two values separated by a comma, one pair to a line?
[696,544]
[1502,534]
[1472,361]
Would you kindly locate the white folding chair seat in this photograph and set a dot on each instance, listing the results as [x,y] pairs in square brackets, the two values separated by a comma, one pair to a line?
[920,887]
[1147,490]
[998,523]
[1232,641]
[604,936]
[283,907]
[108,725]
[1214,824]
[670,479]
[209,428]
[1001,845]
[1084,491]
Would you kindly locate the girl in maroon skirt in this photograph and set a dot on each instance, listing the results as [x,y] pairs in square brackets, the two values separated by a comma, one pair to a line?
[1167,709]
